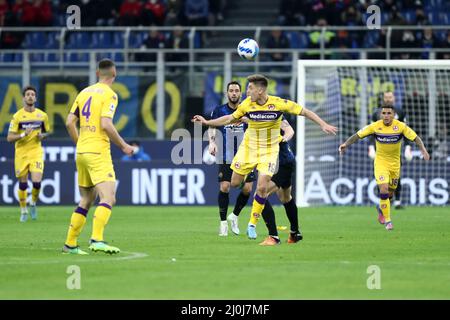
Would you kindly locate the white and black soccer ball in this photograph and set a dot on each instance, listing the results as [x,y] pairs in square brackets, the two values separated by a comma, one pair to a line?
[248,49]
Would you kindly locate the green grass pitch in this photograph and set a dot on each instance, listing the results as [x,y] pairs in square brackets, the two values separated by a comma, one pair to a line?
[176,253]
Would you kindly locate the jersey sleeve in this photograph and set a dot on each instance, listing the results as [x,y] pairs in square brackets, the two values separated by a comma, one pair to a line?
[109,106]
[290,107]
[366,131]
[14,125]
[409,133]
[240,111]
[75,108]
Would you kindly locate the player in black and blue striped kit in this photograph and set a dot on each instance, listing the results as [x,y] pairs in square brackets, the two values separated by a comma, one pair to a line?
[282,184]
[224,143]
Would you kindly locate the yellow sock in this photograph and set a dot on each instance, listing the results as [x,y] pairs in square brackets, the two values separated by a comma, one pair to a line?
[35,195]
[77,222]
[101,217]
[257,208]
[23,194]
[385,206]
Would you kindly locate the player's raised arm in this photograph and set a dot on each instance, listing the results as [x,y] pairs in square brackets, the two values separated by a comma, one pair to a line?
[212,148]
[347,143]
[222,121]
[288,130]
[327,128]
[422,148]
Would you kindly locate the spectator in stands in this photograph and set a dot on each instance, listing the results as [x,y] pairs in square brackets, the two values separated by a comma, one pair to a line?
[177,40]
[278,40]
[352,17]
[315,38]
[216,7]
[445,45]
[154,13]
[175,14]
[428,41]
[154,40]
[196,12]
[4,9]
[33,13]
[106,12]
[343,41]
[139,156]
[130,13]
[291,13]
[441,144]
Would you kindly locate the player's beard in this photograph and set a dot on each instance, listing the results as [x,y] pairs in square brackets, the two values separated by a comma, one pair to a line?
[235,101]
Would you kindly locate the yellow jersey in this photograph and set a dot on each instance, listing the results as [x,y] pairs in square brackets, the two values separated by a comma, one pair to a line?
[388,140]
[91,104]
[264,121]
[37,120]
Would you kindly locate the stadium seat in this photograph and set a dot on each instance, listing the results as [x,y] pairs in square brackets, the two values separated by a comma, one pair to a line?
[294,39]
[78,40]
[118,39]
[52,40]
[303,40]
[36,57]
[35,40]
[136,39]
[18,57]
[6,57]
[76,57]
[101,40]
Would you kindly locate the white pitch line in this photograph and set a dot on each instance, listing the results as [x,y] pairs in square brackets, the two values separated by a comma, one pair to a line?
[86,259]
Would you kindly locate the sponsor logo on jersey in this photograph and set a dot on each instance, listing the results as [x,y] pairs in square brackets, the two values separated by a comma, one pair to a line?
[264,115]
[389,139]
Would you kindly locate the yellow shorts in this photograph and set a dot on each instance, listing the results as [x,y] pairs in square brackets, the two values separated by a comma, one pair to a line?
[25,164]
[94,168]
[265,164]
[385,175]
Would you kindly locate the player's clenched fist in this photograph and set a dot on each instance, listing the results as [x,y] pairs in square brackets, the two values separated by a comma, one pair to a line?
[198,118]
[342,148]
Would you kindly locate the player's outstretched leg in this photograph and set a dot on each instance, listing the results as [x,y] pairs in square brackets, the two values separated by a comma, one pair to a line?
[34,198]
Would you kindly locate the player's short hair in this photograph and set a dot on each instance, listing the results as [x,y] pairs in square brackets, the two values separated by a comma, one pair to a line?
[388,106]
[259,80]
[234,83]
[29,88]
[105,64]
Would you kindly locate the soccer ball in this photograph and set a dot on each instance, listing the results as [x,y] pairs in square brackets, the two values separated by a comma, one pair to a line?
[248,49]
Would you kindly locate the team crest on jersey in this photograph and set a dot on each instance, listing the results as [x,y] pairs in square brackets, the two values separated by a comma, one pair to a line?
[237,165]
[271,107]
[395,128]
[39,115]
[381,178]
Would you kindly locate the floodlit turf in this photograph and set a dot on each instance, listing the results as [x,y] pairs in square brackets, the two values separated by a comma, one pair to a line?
[175,253]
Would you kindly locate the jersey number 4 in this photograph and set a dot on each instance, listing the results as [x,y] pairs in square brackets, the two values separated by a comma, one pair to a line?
[86,111]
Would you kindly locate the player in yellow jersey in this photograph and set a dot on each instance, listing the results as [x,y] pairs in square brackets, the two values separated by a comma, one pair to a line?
[94,109]
[260,146]
[388,134]
[28,127]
